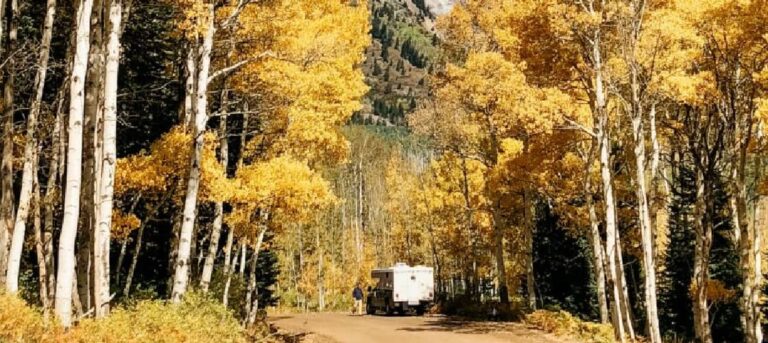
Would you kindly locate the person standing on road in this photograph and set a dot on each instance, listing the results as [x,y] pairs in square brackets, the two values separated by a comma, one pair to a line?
[357,294]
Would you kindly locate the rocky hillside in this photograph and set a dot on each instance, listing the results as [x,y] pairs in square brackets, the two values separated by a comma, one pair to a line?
[400,57]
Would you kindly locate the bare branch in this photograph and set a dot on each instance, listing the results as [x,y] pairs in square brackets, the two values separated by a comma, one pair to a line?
[238,65]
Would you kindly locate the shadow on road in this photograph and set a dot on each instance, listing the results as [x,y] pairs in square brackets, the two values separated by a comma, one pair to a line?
[460,326]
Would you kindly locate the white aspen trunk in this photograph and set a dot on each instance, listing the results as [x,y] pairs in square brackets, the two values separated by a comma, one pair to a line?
[758,225]
[52,196]
[66,263]
[699,285]
[225,296]
[189,87]
[320,281]
[243,257]
[213,247]
[749,259]
[625,305]
[181,275]
[250,291]
[757,258]
[30,154]
[598,254]
[228,250]
[107,163]
[7,107]
[358,213]
[646,231]
[254,307]
[637,11]
[748,235]
[92,147]
[610,219]
[604,155]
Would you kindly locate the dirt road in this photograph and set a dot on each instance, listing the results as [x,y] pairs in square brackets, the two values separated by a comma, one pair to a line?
[345,328]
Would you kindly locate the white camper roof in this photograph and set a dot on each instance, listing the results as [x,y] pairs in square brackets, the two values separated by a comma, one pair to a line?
[400,266]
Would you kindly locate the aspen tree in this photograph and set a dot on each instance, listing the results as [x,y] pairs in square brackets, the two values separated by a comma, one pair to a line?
[7,108]
[109,159]
[30,153]
[66,263]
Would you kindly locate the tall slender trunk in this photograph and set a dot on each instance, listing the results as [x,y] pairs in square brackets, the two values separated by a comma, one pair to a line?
[40,249]
[53,188]
[626,307]
[253,287]
[213,247]
[598,254]
[758,224]
[320,279]
[358,212]
[615,274]
[66,259]
[749,235]
[228,250]
[30,153]
[190,86]
[230,271]
[703,227]
[611,251]
[243,257]
[530,226]
[646,231]
[2,20]
[634,30]
[7,108]
[91,140]
[108,159]
[181,276]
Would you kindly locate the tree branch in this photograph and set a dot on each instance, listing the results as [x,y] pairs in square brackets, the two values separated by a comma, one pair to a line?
[235,14]
[238,65]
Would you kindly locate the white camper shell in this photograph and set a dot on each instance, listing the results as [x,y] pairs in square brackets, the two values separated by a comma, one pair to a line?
[401,288]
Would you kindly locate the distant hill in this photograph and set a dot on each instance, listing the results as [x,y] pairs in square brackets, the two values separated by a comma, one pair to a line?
[404,46]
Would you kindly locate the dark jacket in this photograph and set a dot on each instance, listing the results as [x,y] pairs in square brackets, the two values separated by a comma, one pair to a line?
[357,293]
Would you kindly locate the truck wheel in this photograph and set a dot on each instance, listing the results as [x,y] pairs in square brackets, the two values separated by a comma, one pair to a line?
[369,309]
[388,310]
[420,311]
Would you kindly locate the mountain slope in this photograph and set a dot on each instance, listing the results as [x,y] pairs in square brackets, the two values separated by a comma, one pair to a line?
[400,57]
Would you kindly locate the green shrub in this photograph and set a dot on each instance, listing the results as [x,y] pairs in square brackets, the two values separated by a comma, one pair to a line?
[564,324]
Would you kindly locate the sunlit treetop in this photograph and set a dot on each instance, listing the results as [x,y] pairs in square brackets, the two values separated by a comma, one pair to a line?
[308,78]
